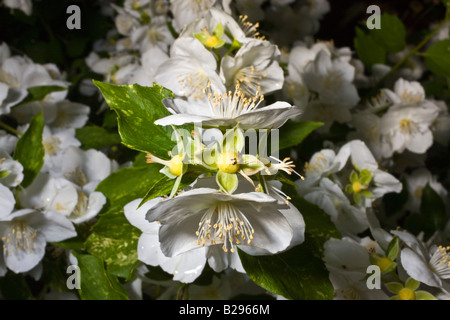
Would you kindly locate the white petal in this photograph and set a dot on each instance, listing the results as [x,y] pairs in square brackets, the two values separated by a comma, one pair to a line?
[95,203]
[179,237]
[346,255]
[272,230]
[53,225]
[149,250]
[186,267]
[19,260]
[7,201]
[136,216]
[219,260]
[417,268]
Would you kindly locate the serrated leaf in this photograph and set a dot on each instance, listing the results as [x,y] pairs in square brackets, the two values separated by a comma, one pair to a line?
[293,133]
[137,109]
[115,240]
[95,282]
[437,58]
[164,186]
[392,35]
[369,51]
[30,150]
[128,184]
[92,137]
[296,274]
[300,272]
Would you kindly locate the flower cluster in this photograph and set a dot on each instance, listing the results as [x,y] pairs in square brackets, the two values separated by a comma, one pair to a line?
[225,141]
[47,181]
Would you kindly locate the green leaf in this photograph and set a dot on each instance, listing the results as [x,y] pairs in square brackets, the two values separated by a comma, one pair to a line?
[423,295]
[369,51]
[432,208]
[39,93]
[293,133]
[392,35]
[297,274]
[394,287]
[164,186]
[300,272]
[93,137]
[437,58]
[412,284]
[393,249]
[115,240]
[14,287]
[95,282]
[128,184]
[137,109]
[228,182]
[30,150]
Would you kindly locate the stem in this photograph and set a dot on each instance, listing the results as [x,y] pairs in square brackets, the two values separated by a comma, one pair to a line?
[416,49]
[10,129]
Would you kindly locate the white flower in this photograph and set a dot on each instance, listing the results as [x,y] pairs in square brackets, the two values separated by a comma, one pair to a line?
[50,194]
[8,141]
[154,34]
[351,287]
[85,168]
[61,195]
[347,260]
[24,5]
[209,22]
[58,115]
[11,171]
[332,80]
[331,199]
[111,65]
[25,233]
[55,142]
[228,110]
[20,73]
[407,127]
[380,181]
[429,264]
[206,217]
[187,11]
[190,70]
[150,62]
[322,163]
[185,267]
[254,67]
[7,201]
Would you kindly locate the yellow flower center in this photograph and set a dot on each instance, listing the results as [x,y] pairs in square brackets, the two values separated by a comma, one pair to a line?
[228,162]
[356,187]
[176,165]
[406,294]
[384,263]
[211,41]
